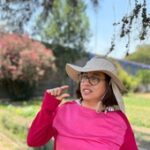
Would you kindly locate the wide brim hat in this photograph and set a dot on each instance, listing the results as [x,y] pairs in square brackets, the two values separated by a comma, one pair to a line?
[99,64]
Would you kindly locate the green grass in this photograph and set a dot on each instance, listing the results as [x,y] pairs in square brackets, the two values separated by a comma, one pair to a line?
[138,109]
[15,118]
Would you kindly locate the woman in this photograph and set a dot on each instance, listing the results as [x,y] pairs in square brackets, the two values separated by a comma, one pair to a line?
[96,121]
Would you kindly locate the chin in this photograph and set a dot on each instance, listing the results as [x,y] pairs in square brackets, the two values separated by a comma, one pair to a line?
[86,98]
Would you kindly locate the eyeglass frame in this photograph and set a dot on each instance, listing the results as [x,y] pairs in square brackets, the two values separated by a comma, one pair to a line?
[89,78]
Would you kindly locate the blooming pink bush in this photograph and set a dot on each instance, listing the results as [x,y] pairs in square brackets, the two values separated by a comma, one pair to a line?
[24,59]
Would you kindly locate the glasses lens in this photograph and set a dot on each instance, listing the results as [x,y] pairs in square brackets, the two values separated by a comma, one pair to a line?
[94,80]
[83,77]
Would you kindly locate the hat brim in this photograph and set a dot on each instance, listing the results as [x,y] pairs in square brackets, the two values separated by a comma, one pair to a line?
[73,72]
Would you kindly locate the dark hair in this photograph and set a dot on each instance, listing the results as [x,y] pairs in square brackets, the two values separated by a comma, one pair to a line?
[109,99]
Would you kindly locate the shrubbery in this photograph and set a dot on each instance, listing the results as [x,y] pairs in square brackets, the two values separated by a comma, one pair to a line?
[130,82]
[23,62]
[144,76]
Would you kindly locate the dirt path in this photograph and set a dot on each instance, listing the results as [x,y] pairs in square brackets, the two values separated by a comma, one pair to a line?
[9,144]
[6,143]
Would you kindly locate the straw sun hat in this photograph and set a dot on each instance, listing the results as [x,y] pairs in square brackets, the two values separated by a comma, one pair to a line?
[103,65]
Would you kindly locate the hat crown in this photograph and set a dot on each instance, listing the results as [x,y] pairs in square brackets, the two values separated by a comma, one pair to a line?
[99,63]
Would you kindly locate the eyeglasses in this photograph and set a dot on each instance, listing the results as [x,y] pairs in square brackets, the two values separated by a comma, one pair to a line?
[93,79]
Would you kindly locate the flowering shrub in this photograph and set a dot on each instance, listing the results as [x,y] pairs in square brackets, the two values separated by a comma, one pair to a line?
[23,60]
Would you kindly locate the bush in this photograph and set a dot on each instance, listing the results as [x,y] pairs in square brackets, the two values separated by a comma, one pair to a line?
[130,82]
[144,76]
[23,62]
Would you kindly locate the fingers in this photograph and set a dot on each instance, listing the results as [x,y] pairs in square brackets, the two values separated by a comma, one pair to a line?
[63,96]
[64,87]
[58,92]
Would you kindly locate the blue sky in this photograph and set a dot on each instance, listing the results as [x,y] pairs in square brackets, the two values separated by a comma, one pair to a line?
[102,29]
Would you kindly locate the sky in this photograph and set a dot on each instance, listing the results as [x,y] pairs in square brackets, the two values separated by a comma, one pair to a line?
[101,20]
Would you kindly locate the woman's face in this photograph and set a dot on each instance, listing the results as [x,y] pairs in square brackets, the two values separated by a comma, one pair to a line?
[92,86]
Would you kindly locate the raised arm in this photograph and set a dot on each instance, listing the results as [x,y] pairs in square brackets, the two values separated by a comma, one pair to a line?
[41,129]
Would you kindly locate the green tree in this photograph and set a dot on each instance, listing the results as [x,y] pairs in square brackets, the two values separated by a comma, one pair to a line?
[67,29]
[67,25]
[130,82]
[142,54]
[144,76]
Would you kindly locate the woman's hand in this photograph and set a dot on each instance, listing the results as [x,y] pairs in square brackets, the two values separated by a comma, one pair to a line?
[59,92]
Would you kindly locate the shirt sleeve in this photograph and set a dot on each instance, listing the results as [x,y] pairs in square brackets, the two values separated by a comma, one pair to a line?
[129,139]
[41,129]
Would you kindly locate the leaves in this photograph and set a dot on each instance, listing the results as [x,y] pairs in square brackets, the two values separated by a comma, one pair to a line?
[23,59]
[67,24]
[137,18]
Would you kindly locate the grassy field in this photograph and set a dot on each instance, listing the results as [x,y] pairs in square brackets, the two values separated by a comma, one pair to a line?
[138,112]
[15,119]
[138,109]
[14,122]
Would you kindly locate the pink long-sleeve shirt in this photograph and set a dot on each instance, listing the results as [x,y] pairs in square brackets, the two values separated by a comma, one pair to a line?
[75,127]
